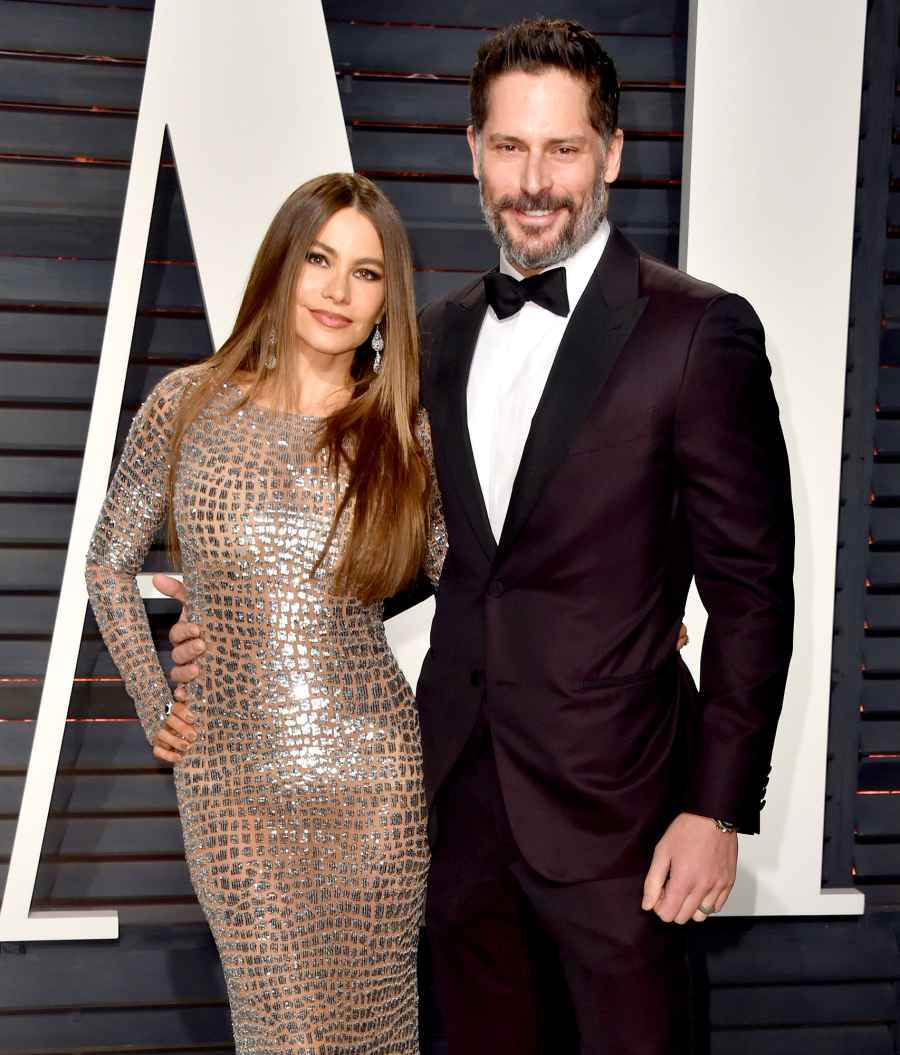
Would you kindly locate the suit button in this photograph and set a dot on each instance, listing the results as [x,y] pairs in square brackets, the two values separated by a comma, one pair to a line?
[475,678]
[495,589]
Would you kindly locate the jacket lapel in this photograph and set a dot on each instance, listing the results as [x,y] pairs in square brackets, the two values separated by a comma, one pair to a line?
[602,322]
[463,323]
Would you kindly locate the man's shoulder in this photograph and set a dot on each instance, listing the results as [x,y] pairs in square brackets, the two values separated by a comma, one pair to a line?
[432,325]
[432,314]
[659,279]
[678,299]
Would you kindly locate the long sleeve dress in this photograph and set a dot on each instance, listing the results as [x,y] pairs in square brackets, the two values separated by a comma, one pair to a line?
[301,799]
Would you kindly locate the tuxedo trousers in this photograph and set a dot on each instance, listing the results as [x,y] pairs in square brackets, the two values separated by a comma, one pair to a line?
[526,966]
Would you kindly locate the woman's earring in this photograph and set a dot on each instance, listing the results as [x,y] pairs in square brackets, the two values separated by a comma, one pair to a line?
[377,348]
[272,360]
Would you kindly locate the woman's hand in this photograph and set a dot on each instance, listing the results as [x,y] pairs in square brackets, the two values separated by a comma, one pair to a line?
[683,638]
[175,736]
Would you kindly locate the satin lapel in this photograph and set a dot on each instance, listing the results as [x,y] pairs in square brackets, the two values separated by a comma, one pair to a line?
[595,336]
[463,323]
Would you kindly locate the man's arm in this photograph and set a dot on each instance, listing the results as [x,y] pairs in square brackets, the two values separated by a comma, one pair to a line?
[735,485]
[414,594]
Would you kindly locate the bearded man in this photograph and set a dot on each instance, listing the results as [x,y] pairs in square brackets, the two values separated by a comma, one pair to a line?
[604,431]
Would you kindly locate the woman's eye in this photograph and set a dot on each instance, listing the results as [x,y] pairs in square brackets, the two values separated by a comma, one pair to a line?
[316,258]
[369,276]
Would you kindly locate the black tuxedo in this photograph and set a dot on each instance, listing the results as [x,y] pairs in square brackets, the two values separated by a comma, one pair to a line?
[655,455]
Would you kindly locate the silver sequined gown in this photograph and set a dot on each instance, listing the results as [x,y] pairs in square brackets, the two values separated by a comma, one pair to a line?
[301,800]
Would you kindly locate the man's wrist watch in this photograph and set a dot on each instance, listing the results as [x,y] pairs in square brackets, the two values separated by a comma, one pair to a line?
[724,826]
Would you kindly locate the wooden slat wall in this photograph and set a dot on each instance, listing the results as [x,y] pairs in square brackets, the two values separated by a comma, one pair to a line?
[864,756]
[70,80]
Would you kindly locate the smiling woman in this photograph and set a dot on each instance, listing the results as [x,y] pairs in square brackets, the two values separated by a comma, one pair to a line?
[340,294]
[299,485]
[333,270]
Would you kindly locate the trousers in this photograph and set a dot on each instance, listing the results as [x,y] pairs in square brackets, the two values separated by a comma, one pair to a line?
[526,966]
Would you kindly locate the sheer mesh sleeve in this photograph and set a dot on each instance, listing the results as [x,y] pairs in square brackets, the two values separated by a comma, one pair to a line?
[133,511]
[437,530]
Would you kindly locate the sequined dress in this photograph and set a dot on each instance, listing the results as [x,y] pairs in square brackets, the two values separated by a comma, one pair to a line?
[301,800]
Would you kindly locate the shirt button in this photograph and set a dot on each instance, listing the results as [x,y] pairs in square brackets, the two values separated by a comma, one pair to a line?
[495,589]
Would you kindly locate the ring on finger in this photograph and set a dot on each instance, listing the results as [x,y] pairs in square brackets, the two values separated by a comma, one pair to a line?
[174,743]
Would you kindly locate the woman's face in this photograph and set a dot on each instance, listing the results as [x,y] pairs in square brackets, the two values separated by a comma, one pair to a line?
[340,290]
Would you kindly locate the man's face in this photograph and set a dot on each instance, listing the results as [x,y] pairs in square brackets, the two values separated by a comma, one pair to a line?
[542,167]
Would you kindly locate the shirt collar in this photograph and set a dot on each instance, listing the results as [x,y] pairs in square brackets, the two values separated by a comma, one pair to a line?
[579,267]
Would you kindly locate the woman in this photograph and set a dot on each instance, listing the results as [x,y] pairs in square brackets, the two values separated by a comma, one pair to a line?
[296,475]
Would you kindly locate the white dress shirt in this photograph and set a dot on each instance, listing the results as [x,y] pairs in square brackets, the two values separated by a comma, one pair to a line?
[509,370]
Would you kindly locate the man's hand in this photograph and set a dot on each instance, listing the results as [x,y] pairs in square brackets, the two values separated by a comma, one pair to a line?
[187,643]
[175,735]
[694,864]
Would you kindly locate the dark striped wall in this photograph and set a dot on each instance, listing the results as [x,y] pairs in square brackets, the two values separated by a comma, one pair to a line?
[70,79]
[864,764]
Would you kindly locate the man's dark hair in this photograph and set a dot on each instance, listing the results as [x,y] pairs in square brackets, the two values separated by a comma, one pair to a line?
[536,44]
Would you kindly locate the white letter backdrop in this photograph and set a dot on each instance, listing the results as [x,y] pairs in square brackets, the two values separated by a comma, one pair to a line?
[770,178]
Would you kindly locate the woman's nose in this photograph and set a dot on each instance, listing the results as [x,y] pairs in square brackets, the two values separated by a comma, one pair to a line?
[337,288]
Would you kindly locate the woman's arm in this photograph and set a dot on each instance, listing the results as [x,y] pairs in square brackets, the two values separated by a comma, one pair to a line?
[134,510]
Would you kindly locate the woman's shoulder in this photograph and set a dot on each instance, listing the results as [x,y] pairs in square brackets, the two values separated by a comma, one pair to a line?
[168,393]
[160,408]
[178,382]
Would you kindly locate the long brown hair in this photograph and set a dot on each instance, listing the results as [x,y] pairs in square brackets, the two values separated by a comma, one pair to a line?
[373,435]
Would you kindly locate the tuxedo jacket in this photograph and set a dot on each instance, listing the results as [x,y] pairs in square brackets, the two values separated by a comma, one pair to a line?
[655,455]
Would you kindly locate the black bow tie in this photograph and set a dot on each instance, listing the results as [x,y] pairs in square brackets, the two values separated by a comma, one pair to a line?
[507,295]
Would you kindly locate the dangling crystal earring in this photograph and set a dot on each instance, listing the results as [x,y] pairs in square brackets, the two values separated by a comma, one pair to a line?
[272,360]
[377,348]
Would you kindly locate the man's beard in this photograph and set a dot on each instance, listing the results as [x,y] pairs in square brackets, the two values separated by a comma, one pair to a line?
[578,230]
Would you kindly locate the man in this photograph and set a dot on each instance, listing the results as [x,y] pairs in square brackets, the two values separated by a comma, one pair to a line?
[604,430]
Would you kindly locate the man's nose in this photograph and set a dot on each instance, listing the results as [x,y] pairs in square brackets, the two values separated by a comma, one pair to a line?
[536,177]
